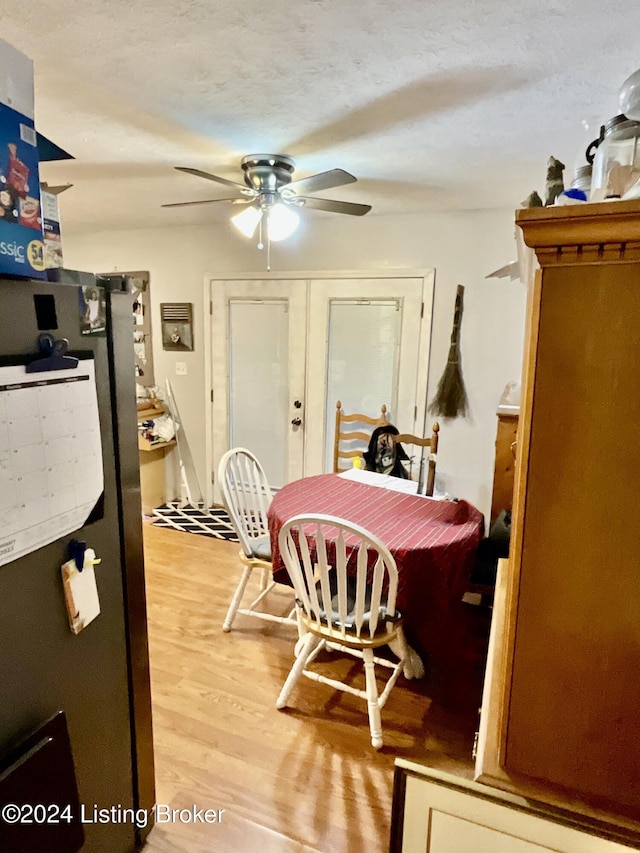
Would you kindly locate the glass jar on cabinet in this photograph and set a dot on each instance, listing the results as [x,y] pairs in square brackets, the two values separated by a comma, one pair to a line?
[616,165]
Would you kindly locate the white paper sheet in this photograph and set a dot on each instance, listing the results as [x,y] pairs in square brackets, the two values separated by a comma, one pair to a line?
[372,478]
[50,455]
[384,481]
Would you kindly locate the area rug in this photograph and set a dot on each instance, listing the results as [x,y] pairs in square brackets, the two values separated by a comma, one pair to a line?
[212,522]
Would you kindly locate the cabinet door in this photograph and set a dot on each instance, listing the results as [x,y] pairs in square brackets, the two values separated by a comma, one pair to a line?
[561,712]
[438,813]
[578,623]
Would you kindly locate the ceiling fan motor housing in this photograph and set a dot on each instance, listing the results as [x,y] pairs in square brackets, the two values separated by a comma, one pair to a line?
[266,173]
[268,183]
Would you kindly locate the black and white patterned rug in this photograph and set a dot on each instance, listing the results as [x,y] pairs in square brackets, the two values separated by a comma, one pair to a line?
[212,522]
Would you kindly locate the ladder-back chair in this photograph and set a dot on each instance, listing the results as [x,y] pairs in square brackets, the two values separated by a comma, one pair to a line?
[246,496]
[432,443]
[345,580]
[345,436]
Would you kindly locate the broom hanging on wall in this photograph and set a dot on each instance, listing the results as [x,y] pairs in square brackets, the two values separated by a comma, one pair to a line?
[451,397]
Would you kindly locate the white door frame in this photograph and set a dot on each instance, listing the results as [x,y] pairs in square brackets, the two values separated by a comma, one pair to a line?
[428,277]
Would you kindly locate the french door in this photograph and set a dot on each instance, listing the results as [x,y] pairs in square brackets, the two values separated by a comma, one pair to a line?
[285,350]
[365,338]
[258,346]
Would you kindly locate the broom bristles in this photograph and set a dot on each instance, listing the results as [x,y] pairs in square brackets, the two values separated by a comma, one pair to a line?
[451,398]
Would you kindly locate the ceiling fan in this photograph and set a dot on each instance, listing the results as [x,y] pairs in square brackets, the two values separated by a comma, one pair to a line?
[271,197]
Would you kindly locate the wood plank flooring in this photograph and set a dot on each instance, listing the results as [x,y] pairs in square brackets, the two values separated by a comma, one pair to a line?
[303,780]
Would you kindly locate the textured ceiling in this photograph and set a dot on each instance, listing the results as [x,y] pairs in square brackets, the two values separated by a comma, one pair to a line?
[432,105]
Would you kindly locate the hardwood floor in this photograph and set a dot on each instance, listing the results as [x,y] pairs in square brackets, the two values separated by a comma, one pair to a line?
[303,779]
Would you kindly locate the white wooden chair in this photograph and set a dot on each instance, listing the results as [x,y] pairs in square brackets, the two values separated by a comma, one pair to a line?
[345,581]
[246,496]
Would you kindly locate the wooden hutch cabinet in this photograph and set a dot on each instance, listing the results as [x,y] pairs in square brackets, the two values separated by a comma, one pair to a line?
[561,711]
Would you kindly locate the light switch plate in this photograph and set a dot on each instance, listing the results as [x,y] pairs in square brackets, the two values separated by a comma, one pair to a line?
[181,368]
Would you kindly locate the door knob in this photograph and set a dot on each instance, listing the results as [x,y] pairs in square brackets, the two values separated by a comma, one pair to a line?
[296,422]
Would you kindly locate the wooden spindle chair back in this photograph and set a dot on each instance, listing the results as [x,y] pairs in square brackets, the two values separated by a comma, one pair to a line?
[346,435]
[405,438]
[246,496]
[346,581]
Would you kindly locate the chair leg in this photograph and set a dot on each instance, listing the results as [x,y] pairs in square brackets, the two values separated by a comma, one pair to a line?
[265,577]
[237,598]
[299,624]
[302,631]
[309,642]
[375,723]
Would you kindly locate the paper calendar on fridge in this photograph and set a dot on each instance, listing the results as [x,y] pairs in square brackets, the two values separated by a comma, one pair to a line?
[50,455]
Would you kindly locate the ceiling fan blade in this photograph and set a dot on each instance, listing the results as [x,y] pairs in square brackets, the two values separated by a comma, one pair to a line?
[321,181]
[199,174]
[336,206]
[209,201]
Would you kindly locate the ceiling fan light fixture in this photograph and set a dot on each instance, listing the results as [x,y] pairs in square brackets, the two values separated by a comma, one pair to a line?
[247,220]
[282,221]
[271,198]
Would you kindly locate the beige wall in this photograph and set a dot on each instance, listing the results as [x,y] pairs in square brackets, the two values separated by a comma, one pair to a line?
[462,247]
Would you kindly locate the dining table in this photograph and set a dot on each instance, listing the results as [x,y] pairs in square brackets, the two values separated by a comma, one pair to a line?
[434,544]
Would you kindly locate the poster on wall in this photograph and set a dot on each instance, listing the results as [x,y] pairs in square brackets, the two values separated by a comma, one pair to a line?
[93,310]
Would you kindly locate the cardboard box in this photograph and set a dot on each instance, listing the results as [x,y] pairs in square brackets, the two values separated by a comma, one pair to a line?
[16,81]
[21,236]
[51,229]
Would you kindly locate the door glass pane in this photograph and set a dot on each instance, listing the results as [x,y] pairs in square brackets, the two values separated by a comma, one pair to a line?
[258,382]
[362,361]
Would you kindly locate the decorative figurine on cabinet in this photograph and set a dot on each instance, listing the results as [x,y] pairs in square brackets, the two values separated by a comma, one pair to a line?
[555,184]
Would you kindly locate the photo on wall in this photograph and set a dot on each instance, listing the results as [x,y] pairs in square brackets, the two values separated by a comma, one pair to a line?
[138,310]
[177,325]
[93,310]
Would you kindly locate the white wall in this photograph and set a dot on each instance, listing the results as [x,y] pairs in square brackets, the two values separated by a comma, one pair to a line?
[462,247]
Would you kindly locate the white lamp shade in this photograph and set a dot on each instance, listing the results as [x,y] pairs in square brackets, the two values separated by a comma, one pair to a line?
[282,222]
[247,220]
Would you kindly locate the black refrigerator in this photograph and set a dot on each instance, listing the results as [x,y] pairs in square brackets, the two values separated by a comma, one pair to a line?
[75,709]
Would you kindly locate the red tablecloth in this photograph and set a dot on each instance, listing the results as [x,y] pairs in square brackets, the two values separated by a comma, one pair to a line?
[434,544]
